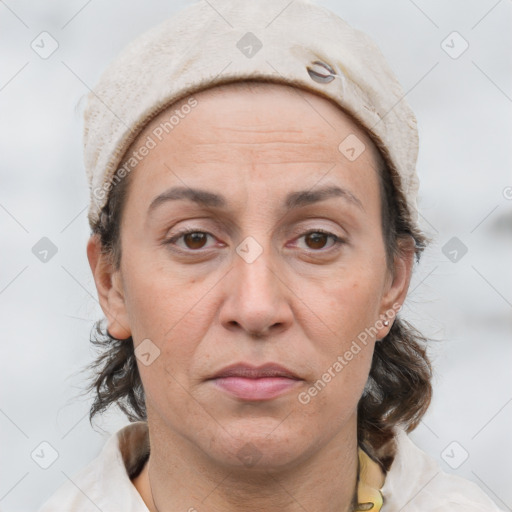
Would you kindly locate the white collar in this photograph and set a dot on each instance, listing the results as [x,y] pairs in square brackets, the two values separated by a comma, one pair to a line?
[414,483]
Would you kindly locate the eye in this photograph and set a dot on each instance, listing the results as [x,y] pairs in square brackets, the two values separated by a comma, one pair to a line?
[193,239]
[317,239]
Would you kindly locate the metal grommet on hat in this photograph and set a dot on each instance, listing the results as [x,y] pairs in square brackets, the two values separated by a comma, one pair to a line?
[305,46]
[321,72]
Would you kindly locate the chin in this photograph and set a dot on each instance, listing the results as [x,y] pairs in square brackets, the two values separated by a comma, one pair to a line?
[259,445]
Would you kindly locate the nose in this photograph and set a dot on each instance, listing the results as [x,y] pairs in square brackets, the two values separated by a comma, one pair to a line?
[257,297]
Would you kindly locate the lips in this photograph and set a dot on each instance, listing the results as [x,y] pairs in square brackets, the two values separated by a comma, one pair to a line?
[247,382]
[255,372]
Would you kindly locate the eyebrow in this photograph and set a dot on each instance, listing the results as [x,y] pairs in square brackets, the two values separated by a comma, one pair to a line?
[293,199]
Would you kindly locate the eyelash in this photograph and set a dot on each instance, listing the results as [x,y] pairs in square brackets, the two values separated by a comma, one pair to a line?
[336,239]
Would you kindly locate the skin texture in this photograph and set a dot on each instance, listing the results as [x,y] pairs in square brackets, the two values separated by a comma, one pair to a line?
[300,303]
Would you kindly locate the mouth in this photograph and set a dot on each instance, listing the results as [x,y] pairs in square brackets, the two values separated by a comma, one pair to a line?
[251,383]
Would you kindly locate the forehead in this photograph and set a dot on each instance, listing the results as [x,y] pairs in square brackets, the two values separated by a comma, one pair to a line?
[242,132]
[251,112]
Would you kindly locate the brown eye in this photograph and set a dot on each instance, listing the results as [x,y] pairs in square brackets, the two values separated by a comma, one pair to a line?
[316,240]
[195,240]
[189,240]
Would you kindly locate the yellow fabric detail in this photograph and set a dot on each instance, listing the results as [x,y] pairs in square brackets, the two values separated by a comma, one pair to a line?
[371,480]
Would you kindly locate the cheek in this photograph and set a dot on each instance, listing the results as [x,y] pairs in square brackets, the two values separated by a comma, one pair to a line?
[160,301]
[331,400]
[175,315]
[355,299]
[175,322]
[349,306]
[352,311]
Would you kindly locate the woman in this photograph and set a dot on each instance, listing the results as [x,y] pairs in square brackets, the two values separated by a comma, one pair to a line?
[254,230]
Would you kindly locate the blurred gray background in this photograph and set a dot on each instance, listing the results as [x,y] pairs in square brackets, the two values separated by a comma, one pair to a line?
[461,295]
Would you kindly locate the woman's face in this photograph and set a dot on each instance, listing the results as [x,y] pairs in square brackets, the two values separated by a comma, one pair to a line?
[285,264]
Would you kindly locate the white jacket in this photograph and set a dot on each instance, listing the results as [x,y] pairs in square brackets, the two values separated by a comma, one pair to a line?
[415,482]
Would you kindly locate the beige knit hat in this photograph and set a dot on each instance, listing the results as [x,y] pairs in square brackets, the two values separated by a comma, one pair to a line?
[296,43]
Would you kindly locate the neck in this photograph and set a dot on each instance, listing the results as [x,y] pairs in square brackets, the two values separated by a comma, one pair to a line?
[180,477]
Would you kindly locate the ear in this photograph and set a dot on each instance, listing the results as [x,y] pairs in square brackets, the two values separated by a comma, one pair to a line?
[397,286]
[110,291]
